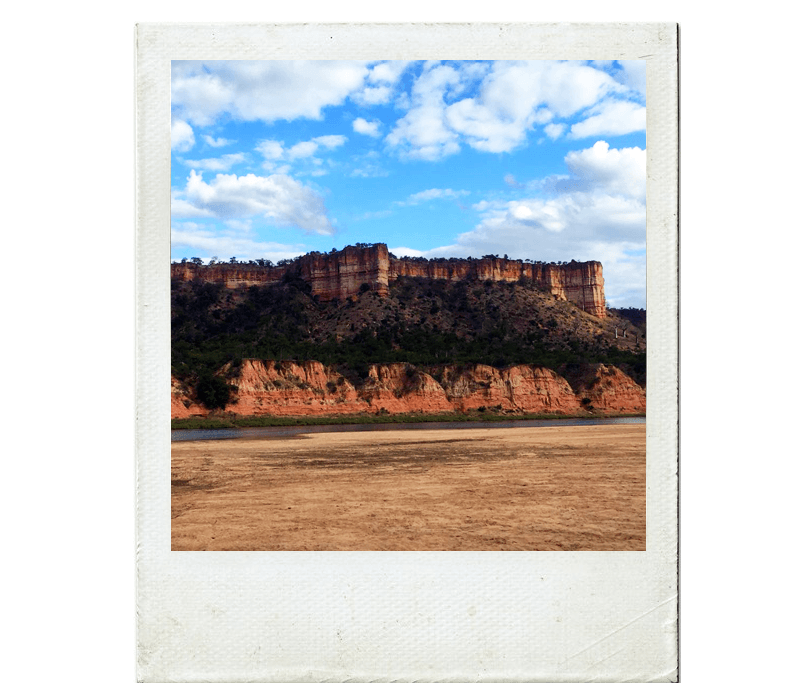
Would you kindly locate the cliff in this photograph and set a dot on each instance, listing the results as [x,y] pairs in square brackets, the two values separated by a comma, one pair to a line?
[265,387]
[343,274]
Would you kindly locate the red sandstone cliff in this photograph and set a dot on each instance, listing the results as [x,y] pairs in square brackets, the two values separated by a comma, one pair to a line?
[182,402]
[265,387]
[608,388]
[340,275]
[519,388]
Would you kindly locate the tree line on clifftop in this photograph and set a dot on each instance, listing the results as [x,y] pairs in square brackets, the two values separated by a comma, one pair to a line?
[425,323]
[267,263]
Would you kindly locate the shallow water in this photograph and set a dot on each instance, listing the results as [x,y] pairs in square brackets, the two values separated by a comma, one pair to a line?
[268,432]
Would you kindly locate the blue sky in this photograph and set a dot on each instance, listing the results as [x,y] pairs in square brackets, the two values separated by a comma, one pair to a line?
[539,160]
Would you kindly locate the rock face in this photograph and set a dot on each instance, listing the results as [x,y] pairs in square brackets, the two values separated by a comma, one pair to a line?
[266,387]
[608,388]
[400,388]
[342,274]
[182,403]
[519,388]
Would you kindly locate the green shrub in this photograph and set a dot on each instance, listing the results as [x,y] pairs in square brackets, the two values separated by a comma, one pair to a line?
[213,392]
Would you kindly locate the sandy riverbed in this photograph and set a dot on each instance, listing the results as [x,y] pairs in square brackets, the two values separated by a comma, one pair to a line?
[544,488]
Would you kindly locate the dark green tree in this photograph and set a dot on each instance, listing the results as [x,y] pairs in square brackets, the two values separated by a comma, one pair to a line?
[213,392]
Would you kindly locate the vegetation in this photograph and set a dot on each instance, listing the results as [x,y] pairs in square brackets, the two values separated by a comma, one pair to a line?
[213,392]
[423,322]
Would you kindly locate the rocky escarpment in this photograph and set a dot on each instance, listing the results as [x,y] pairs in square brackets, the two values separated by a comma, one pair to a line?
[183,403]
[343,274]
[579,283]
[266,387]
[607,388]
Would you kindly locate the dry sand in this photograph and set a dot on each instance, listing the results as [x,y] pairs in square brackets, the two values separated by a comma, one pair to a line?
[543,488]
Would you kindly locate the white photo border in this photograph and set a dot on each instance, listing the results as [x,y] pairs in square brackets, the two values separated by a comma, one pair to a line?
[404,616]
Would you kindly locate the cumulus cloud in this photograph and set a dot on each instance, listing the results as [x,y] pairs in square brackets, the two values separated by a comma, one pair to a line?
[422,133]
[374,95]
[273,151]
[209,243]
[279,199]
[597,212]
[429,195]
[364,127]
[388,72]
[606,229]
[263,90]
[301,150]
[223,163]
[369,171]
[507,100]
[330,141]
[515,96]
[216,142]
[633,75]
[381,82]
[611,117]
[182,138]
[600,168]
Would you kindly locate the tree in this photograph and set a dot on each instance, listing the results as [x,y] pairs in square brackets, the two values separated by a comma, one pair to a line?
[213,392]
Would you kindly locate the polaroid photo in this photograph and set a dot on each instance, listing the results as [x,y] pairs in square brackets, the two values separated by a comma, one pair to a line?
[407,352]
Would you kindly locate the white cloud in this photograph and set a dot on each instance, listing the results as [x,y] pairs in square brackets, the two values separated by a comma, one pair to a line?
[367,166]
[182,138]
[422,133]
[279,199]
[407,251]
[515,96]
[364,127]
[600,228]
[371,96]
[330,141]
[223,163]
[181,208]
[301,150]
[388,72]
[598,212]
[633,75]
[382,79]
[611,117]
[484,129]
[273,151]
[429,195]
[270,149]
[216,142]
[614,171]
[209,242]
[262,90]
[512,98]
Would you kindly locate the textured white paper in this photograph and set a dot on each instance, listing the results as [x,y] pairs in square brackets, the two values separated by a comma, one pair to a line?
[405,616]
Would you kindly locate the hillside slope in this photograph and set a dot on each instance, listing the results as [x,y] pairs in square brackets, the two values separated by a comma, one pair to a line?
[434,326]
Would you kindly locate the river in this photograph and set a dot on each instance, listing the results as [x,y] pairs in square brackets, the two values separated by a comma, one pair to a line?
[269,432]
